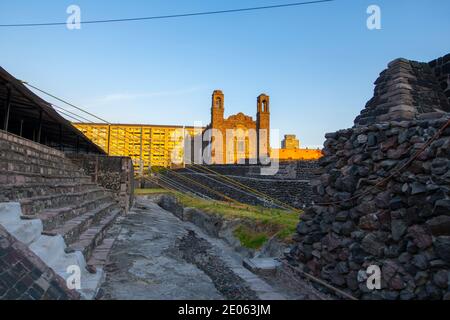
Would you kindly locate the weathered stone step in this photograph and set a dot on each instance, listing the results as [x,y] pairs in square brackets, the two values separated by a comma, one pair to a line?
[51,249]
[35,205]
[55,163]
[10,151]
[13,191]
[93,236]
[54,218]
[73,228]
[29,148]
[17,177]
[25,231]
[99,255]
[13,165]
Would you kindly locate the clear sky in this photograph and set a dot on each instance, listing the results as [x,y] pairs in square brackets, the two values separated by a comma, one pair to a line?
[318,62]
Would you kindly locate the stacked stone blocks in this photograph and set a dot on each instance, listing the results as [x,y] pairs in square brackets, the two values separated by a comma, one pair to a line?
[50,188]
[369,209]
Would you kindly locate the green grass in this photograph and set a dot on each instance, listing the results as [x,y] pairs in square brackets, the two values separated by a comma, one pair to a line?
[265,222]
[142,192]
[250,238]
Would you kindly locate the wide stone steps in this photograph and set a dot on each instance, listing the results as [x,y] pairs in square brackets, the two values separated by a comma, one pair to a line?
[28,149]
[93,236]
[50,203]
[37,168]
[54,164]
[18,177]
[13,192]
[51,249]
[55,218]
[9,160]
[72,229]
[32,206]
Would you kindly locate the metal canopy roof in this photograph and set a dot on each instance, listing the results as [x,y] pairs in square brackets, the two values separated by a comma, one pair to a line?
[30,115]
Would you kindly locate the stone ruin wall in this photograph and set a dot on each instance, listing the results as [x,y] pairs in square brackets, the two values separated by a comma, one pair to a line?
[441,69]
[402,226]
[113,173]
[288,170]
[291,184]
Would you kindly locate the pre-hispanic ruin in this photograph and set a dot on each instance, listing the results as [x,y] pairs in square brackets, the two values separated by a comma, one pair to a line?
[379,197]
[382,197]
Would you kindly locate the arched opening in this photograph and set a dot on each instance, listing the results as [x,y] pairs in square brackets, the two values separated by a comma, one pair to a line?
[264,106]
[218,102]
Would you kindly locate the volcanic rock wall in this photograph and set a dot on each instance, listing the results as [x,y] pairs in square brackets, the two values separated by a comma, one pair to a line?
[441,69]
[113,173]
[381,201]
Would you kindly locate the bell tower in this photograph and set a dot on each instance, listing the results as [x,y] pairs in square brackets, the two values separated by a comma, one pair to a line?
[217,108]
[263,126]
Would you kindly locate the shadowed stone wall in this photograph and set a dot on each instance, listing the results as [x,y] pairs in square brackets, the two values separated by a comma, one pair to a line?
[113,173]
[376,203]
[441,69]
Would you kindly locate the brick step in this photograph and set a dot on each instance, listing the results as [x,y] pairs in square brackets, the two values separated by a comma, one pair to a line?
[31,152]
[17,177]
[14,192]
[7,164]
[49,162]
[54,218]
[25,146]
[72,229]
[93,236]
[32,206]
[99,255]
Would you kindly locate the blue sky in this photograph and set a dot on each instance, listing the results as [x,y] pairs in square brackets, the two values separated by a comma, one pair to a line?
[318,62]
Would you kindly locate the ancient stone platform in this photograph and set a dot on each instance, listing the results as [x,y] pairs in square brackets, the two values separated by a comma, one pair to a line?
[53,207]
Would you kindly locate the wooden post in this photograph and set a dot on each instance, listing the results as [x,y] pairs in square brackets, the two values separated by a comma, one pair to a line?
[60,137]
[96,169]
[7,108]
[21,128]
[38,138]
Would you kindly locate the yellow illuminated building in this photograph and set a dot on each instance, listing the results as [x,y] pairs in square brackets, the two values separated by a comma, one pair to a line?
[290,150]
[148,145]
[164,145]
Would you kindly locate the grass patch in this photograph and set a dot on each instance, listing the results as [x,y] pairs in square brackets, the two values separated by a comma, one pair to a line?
[142,192]
[250,238]
[265,222]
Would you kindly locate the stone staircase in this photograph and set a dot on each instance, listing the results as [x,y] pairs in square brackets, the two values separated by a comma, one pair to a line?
[49,204]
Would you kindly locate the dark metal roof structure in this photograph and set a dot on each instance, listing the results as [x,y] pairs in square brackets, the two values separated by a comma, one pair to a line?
[25,114]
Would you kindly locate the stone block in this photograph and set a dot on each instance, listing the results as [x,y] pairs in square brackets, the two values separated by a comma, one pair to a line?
[262,266]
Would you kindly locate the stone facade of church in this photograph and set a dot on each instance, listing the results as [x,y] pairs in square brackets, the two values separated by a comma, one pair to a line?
[238,137]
